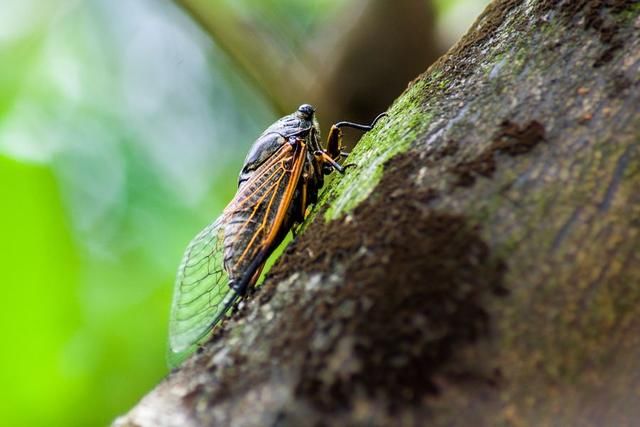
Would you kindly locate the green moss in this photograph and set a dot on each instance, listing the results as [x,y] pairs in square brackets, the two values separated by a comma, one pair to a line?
[392,135]
[629,14]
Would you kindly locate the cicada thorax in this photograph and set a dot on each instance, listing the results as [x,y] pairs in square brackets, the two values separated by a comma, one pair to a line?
[272,139]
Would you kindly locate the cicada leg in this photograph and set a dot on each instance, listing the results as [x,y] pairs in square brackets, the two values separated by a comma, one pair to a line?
[334,139]
[334,142]
[256,275]
[324,157]
[302,208]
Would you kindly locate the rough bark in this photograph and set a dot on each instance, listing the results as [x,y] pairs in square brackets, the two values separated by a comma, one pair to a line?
[481,266]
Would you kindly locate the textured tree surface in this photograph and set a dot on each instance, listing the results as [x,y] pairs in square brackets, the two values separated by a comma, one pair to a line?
[480,266]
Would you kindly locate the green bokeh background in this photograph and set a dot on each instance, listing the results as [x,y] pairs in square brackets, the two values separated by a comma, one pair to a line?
[122,129]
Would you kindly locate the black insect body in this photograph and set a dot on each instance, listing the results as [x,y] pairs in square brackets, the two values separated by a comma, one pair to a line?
[281,177]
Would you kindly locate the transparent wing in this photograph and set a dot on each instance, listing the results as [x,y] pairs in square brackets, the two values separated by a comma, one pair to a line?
[201,295]
[231,250]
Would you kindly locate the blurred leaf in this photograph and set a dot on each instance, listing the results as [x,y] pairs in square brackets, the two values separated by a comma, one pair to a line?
[39,276]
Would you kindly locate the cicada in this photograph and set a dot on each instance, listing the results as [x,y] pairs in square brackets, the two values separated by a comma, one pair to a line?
[280,179]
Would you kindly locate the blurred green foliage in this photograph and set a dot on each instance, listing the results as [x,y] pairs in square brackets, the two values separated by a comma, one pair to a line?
[122,130]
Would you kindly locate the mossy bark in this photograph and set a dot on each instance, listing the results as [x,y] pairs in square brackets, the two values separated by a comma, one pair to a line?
[480,266]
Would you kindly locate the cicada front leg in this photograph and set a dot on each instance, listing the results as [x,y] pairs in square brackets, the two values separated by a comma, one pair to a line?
[334,142]
[335,149]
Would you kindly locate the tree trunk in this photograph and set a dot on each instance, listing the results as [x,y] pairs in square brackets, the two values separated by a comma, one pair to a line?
[480,266]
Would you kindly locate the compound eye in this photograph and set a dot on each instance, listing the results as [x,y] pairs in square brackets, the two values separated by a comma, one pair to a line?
[306,110]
